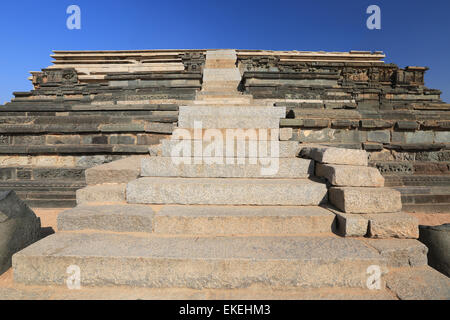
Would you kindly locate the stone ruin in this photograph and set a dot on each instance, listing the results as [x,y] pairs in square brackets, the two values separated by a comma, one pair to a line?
[93,107]
[357,142]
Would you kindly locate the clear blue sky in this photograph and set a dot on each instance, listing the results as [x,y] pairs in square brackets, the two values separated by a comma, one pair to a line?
[413,32]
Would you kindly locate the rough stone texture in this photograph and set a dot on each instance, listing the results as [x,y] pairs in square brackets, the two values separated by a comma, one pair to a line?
[134,293]
[120,171]
[336,155]
[437,239]
[352,225]
[112,259]
[19,227]
[167,167]
[285,134]
[226,191]
[401,252]
[350,176]
[419,284]
[107,192]
[118,218]
[261,149]
[393,225]
[365,200]
[218,220]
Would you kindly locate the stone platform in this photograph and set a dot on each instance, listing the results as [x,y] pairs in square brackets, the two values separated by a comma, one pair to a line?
[320,225]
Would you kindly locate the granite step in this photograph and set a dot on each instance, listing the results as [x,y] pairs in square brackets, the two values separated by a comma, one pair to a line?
[233,111]
[244,122]
[206,168]
[251,149]
[107,192]
[197,262]
[229,191]
[120,171]
[198,220]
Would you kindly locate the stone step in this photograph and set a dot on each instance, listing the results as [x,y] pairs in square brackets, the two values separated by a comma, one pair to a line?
[223,102]
[215,101]
[24,292]
[366,200]
[188,168]
[351,176]
[336,155]
[223,54]
[221,74]
[120,171]
[197,262]
[232,111]
[250,149]
[286,192]
[198,220]
[107,192]
[432,208]
[247,122]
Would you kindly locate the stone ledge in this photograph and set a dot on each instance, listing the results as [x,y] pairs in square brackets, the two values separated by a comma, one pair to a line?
[336,155]
[350,176]
[365,200]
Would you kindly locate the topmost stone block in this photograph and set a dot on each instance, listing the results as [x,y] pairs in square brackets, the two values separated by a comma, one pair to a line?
[336,155]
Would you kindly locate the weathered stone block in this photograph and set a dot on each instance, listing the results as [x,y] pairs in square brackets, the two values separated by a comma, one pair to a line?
[401,252]
[369,146]
[19,227]
[418,137]
[442,137]
[352,225]
[379,136]
[375,124]
[365,200]
[407,125]
[393,225]
[122,139]
[63,139]
[336,155]
[343,123]
[350,176]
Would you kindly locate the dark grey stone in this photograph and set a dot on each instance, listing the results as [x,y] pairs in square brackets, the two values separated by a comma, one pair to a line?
[437,239]
[19,227]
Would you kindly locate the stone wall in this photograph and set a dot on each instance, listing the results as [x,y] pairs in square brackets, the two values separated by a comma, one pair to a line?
[76,118]
[362,103]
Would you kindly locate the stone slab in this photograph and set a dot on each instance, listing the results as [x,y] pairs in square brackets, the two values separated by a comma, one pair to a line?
[233,111]
[107,192]
[256,220]
[401,252]
[211,191]
[352,225]
[247,122]
[19,227]
[238,148]
[419,284]
[197,262]
[187,167]
[117,218]
[393,225]
[350,176]
[120,171]
[336,155]
[365,200]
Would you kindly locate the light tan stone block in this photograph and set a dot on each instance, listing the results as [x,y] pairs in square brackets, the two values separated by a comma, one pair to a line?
[365,200]
[350,176]
[393,225]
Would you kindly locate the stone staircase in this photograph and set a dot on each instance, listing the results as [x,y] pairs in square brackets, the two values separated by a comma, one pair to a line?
[219,219]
